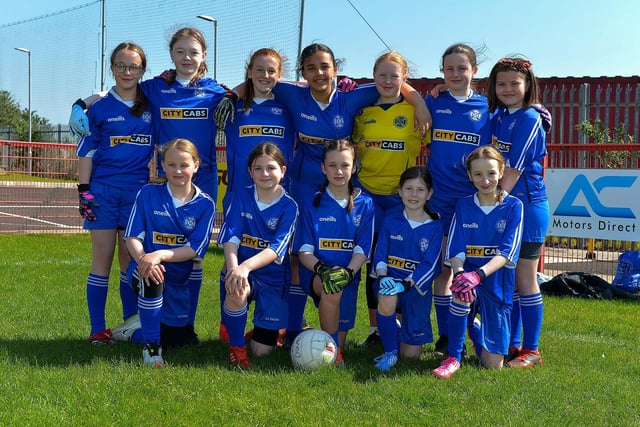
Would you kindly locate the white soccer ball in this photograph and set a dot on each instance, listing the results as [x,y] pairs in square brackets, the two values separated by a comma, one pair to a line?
[313,348]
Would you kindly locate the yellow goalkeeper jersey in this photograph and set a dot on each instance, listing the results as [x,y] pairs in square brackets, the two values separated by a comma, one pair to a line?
[387,145]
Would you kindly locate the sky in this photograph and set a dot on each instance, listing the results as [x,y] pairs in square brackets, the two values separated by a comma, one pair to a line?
[561,37]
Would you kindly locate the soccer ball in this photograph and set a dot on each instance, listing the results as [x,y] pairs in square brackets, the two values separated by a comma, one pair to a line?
[313,348]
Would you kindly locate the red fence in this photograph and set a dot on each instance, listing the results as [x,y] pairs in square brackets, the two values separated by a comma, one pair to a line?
[37,194]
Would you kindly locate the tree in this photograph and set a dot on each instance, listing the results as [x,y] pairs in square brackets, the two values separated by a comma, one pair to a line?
[599,133]
[16,121]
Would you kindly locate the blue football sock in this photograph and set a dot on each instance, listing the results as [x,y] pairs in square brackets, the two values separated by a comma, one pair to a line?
[441,303]
[388,331]
[532,310]
[457,327]
[128,297]
[195,283]
[97,289]
[150,312]
[297,302]
[235,321]
[516,322]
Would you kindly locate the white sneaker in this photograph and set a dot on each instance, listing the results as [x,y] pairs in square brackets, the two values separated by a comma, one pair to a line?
[125,331]
[152,355]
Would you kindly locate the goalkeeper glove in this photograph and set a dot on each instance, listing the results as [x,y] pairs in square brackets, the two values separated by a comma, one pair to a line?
[346,85]
[339,278]
[226,109]
[391,286]
[78,121]
[87,201]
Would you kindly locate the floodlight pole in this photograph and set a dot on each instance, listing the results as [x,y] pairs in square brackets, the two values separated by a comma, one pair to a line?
[28,52]
[215,42]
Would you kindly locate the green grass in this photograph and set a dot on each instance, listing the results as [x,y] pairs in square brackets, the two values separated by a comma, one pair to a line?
[50,375]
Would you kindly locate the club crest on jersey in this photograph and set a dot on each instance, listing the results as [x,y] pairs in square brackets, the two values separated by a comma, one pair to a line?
[272,223]
[475,115]
[501,225]
[357,220]
[146,117]
[277,111]
[199,92]
[338,121]
[400,122]
[189,223]
[423,245]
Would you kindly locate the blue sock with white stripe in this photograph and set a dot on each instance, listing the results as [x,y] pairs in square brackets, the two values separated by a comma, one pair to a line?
[532,311]
[235,321]
[441,303]
[458,314]
[128,297]
[97,289]
[150,312]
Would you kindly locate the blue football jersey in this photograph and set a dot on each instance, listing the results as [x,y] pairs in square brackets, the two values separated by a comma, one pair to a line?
[120,145]
[520,137]
[159,224]
[186,112]
[457,129]
[254,229]
[266,121]
[476,236]
[406,249]
[331,233]
[315,124]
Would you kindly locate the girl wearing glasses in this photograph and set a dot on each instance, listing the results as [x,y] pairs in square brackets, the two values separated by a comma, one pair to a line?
[112,168]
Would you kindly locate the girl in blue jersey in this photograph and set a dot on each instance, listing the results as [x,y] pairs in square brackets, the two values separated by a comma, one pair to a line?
[168,231]
[258,118]
[333,241]
[519,133]
[256,234]
[460,124]
[407,257]
[387,146]
[182,103]
[113,166]
[482,250]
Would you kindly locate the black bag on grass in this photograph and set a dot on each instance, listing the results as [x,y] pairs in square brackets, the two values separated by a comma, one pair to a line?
[578,284]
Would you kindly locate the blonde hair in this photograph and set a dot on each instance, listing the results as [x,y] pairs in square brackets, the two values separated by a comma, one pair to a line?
[396,58]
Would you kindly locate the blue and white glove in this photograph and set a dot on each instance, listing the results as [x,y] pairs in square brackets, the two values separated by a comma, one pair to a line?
[78,121]
[391,286]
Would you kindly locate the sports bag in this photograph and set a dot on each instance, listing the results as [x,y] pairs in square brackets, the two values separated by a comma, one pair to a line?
[628,272]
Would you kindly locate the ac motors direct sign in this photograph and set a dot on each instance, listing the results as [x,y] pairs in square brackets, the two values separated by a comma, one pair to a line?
[594,203]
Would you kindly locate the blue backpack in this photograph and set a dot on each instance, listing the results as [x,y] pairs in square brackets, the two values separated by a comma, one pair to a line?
[628,272]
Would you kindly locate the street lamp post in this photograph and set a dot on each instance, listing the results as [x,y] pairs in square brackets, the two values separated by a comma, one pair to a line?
[215,42]
[28,52]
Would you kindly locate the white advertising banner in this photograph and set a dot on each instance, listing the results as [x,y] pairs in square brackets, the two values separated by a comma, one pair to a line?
[594,203]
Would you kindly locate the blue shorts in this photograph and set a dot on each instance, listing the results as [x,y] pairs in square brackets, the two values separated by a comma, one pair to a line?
[348,301]
[495,330]
[535,220]
[415,328]
[115,205]
[272,308]
[175,305]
